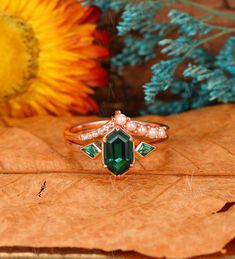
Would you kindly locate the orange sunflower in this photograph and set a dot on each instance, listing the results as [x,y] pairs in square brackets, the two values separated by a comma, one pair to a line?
[49,57]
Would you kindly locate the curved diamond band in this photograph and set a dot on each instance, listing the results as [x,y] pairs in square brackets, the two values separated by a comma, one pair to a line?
[118,139]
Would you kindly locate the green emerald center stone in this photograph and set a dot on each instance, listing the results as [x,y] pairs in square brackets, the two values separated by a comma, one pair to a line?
[118,152]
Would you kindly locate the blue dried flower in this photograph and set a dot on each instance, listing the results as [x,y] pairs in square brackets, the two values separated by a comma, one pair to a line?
[138,16]
[105,5]
[197,73]
[136,50]
[189,25]
[208,77]
[181,45]
[226,57]
[162,78]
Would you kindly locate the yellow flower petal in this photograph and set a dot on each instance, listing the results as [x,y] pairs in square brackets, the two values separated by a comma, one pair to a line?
[48,57]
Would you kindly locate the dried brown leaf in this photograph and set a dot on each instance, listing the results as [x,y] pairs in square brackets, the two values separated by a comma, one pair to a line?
[201,143]
[168,205]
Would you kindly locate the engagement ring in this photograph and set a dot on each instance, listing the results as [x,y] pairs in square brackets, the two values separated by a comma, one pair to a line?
[118,140]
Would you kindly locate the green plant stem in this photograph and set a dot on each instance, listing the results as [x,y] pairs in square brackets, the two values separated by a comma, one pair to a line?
[208,9]
[209,17]
[212,37]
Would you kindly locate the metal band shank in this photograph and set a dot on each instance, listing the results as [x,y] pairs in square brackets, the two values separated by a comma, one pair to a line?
[73,133]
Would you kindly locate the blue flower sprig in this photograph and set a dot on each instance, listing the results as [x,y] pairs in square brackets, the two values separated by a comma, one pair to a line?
[206,77]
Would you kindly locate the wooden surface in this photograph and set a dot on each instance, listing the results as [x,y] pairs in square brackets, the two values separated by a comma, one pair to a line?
[178,202]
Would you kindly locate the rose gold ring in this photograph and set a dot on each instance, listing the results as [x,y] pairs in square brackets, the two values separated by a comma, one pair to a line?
[117,139]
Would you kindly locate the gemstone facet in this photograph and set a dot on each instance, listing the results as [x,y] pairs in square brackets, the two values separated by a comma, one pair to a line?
[91,150]
[118,152]
[144,149]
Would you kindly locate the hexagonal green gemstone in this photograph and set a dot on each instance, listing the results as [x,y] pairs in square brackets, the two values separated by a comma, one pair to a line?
[91,150]
[118,152]
[144,149]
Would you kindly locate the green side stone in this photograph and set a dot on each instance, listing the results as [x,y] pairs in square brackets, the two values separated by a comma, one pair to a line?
[118,152]
[144,149]
[91,150]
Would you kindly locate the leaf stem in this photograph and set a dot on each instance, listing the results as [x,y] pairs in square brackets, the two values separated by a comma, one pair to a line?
[209,17]
[212,37]
[208,9]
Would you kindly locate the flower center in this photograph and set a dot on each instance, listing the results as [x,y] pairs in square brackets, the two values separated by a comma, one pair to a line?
[19,52]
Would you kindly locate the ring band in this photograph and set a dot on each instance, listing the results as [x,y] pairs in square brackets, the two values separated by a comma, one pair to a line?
[118,139]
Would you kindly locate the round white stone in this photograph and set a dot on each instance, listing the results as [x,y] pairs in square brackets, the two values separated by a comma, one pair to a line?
[95,134]
[120,119]
[111,124]
[101,131]
[161,133]
[106,127]
[152,132]
[142,130]
[131,125]
[83,137]
[89,136]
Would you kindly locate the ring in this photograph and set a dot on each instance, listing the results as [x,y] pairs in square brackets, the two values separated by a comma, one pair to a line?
[118,140]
